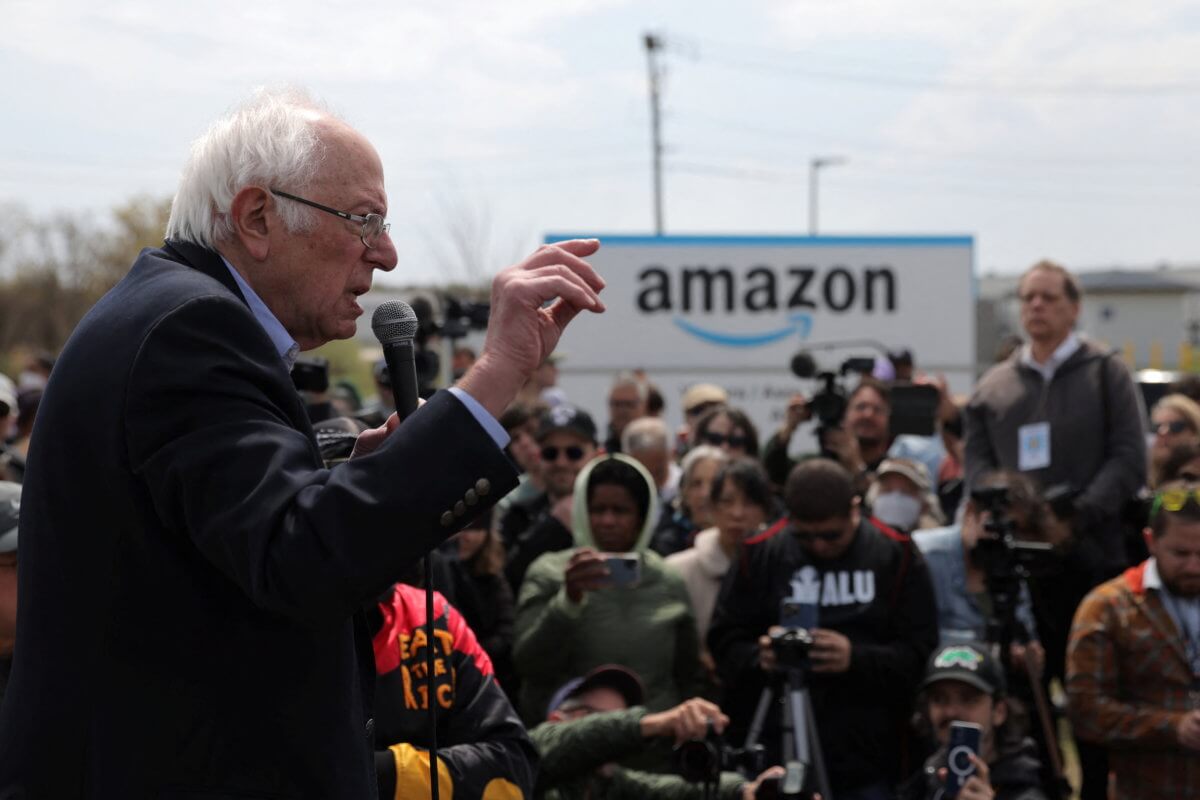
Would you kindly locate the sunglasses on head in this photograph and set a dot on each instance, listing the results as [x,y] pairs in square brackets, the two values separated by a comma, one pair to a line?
[1174,499]
[1178,426]
[820,536]
[572,452]
[735,441]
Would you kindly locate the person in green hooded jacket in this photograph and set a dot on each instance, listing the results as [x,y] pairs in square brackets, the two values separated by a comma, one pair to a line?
[580,608]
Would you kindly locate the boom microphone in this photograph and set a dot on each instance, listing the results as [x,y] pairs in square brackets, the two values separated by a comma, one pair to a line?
[395,324]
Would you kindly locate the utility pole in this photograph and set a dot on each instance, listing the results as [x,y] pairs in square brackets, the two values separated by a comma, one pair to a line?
[653,45]
[813,167]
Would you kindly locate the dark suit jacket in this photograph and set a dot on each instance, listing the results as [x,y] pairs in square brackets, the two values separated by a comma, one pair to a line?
[190,572]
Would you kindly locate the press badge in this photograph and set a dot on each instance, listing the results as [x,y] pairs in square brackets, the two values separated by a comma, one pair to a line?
[1033,446]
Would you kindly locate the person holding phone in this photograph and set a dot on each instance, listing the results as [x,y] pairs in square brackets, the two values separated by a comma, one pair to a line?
[609,600]
[982,754]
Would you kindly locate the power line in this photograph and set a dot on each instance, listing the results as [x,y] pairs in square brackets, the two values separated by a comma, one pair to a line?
[893,80]
[932,184]
[999,159]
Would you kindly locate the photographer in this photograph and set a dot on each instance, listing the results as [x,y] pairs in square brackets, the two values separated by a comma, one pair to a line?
[877,625]
[599,719]
[958,570]
[963,683]
[859,441]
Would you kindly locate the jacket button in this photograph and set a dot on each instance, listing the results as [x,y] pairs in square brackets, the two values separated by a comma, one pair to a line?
[459,509]
[447,519]
[471,497]
[483,487]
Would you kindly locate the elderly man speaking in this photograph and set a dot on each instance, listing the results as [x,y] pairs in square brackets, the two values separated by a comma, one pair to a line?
[191,574]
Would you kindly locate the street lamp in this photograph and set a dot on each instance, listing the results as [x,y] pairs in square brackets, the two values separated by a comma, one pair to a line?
[813,167]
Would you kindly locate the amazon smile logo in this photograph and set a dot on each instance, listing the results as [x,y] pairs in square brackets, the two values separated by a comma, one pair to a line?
[800,325]
[692,291]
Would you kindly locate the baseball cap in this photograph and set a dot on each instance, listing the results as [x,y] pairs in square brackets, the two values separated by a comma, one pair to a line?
[913,470]
[566,417]
[610,676]
[967,663]
[703,394]
[10,506]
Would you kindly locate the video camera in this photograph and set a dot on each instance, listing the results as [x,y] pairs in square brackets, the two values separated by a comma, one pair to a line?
[703,760]
[462,316]
[1002,555]
[829,402]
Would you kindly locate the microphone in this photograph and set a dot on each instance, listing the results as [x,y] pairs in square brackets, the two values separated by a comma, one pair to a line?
[395,324]
[803,365]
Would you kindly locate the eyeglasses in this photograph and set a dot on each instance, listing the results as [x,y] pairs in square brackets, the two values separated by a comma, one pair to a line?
[373,225]
[735,441]
[820,536]
[1164,428]
[572,452]
[1174,499]
[1046,297]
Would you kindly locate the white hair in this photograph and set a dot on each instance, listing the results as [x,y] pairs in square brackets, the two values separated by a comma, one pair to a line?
[704,452]
[271,140]
[630,378]
[645,434]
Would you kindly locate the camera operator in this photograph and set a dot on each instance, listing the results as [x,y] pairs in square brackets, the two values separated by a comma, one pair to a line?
[963,683]
[877,625]
[859,441]
[599,719]
[959,573]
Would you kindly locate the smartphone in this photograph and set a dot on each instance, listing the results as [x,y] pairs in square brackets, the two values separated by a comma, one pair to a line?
[624,569]
[964,742]
[796,614]
[914,410]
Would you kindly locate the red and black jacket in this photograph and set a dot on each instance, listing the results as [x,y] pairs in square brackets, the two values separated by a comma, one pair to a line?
[483,749]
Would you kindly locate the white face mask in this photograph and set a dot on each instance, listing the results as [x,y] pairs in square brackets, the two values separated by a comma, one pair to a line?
[897,510]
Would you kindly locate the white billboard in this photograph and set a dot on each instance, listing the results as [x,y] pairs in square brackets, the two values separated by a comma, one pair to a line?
[734,310]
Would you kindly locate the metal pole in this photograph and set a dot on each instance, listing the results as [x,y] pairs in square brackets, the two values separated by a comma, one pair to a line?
[814,167]
[653,45]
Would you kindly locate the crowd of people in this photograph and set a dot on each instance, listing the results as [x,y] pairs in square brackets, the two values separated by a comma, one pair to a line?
[635,589]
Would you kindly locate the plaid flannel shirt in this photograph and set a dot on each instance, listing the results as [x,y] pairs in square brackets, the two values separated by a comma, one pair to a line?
[1129,684]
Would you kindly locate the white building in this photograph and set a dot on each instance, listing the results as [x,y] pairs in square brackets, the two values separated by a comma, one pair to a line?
[1153,316]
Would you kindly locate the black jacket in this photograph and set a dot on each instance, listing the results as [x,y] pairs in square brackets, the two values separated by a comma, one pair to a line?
[1015,775]
[482,745]
[879,596]
[529,530]
[191,571]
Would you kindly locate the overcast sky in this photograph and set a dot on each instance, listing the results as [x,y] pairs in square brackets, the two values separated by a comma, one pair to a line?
[1041,127]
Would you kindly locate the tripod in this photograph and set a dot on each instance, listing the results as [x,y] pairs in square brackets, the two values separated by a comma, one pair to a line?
[1003,628]
[801,744]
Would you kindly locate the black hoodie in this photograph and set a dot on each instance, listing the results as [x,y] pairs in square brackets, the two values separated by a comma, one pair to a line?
[877,594]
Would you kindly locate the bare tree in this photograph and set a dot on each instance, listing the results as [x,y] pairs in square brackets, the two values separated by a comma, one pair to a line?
[56,268]
[466,242]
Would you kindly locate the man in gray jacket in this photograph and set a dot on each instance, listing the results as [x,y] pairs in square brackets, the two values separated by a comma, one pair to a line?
[1063,410]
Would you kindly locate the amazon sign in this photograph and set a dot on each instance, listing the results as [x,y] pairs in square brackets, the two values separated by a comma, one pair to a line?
[733,310]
